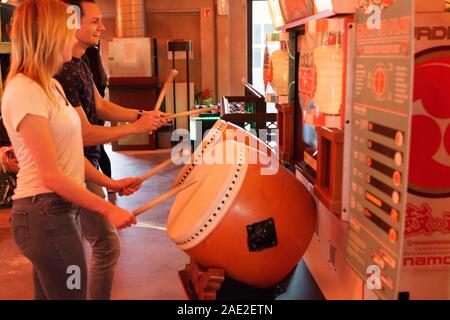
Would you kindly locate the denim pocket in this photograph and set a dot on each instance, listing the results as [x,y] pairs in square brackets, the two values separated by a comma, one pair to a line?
[57,216]
[20,229]
[53,205]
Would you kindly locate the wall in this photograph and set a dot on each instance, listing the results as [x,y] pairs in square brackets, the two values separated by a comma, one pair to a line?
[180,19]
[238,45]
[177,25]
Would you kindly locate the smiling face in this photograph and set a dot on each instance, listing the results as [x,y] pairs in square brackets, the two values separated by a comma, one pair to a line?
[91,25]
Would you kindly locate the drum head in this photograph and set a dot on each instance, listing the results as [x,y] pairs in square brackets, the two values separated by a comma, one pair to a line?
[213,136]
[197,210]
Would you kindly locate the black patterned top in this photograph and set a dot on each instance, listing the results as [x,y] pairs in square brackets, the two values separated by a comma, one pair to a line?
[77,80]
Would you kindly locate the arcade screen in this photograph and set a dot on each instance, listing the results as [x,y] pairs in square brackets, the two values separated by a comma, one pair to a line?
[320,82]
[306,83]
[321,71]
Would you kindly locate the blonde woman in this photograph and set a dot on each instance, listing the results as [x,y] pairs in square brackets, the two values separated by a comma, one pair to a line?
[46,134]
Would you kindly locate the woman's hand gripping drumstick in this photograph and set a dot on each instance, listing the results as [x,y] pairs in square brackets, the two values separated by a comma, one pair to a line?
[164,197]
[150,173]
[128,186]
[173,73]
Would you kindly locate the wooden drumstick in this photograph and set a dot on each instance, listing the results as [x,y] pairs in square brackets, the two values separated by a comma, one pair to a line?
[162,95]
[150,173]
[164,197]
[188,113]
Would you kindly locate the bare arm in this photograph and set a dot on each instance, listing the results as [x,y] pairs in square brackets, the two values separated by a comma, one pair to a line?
[108,111]
[94,135]
[36,133]
[93,175]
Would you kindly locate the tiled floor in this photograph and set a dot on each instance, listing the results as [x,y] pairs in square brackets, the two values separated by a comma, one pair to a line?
[149,263]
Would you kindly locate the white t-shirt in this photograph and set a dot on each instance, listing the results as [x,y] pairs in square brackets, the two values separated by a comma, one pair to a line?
[23,96]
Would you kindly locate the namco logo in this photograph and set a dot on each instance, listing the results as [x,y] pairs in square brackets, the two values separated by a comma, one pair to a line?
[429,172]
[427,261]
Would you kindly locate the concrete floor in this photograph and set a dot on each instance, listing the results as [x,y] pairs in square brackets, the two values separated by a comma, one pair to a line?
[149,263]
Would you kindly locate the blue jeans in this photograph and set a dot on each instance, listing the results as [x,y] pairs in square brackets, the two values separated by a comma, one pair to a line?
[46,230]
[104,241]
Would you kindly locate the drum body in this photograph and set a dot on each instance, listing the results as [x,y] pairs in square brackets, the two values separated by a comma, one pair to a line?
[220,132]
[256,227]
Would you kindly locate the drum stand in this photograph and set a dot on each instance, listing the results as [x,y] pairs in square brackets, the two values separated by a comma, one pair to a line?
[203,283]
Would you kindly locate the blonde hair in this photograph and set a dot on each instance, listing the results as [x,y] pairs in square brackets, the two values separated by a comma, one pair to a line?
[38,36]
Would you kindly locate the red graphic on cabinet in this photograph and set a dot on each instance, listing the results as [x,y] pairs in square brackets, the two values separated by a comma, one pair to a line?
[429,172]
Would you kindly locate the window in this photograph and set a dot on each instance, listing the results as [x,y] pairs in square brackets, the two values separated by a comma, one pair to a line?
[257,34]
[261,24]
[268,28]
[258,63]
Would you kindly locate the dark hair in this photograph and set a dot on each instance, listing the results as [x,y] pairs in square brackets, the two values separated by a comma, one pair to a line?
[78,3]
